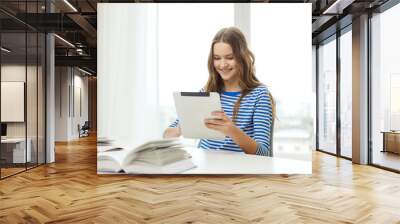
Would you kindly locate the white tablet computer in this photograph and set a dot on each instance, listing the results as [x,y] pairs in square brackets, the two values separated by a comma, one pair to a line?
[192,108]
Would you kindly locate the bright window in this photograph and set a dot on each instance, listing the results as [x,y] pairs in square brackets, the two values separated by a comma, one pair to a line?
[346,94]
[286,70]
[385,83]
[183,58]
[327,96]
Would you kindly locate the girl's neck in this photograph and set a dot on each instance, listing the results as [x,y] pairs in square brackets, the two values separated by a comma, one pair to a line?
[232,86]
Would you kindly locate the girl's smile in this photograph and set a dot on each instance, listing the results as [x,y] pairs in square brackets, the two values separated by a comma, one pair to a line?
[224,61]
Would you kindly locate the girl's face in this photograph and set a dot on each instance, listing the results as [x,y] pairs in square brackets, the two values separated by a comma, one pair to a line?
[224,61]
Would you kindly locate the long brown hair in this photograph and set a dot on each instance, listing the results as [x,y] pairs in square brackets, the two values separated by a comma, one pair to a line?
[245,60]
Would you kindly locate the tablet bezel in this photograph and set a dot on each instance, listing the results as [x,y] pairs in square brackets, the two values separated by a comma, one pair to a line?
[192,108]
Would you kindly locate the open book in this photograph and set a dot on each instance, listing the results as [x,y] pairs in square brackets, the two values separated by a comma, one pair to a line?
[165,156]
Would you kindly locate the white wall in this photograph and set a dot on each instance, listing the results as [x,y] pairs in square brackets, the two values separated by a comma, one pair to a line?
[67,116]
[61,103]
[80,83]
[17,73]
[33,127]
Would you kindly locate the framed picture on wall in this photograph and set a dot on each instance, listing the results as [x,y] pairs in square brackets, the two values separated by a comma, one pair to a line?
[12,101]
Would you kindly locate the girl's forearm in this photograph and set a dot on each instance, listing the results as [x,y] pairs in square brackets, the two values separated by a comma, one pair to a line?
[244,141]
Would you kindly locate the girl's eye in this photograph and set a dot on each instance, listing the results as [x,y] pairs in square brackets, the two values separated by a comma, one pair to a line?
[216,58]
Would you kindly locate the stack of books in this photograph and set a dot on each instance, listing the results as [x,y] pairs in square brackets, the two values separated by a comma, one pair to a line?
[101,141]
[166,156]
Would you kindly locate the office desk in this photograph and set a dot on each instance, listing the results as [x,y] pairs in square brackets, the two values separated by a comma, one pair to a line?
[391,141]
[225,162]
[13,150]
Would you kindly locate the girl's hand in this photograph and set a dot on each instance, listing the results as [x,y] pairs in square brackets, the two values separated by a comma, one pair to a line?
[172,132]
[221,123]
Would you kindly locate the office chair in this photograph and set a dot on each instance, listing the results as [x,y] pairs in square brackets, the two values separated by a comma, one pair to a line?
[84,130]
[271,139]
[270,153]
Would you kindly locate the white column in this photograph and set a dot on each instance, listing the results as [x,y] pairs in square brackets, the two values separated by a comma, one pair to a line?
[63,103]
[360,90]
[50,100]
[242,18]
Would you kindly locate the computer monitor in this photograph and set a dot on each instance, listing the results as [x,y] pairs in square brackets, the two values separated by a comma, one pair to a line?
[3,129]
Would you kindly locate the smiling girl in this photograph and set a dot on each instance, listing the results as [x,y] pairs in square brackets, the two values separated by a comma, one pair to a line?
[247,116]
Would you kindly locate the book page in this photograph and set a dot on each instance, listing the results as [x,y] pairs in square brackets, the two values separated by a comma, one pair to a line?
[112,158]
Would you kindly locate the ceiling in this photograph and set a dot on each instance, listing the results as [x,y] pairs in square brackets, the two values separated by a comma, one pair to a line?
[76,22]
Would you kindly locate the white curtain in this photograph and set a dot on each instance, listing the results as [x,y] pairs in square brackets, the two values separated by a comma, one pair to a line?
[127,73]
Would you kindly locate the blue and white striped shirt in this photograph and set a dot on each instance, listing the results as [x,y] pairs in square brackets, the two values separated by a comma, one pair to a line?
[254,118]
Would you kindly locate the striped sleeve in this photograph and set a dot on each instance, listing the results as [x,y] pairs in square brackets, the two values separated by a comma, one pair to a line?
[174,124]
[262,121]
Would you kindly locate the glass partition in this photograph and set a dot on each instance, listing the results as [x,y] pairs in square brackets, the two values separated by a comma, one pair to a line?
[346,94]
[385,89]
[327,96]
[34,61]
[31,100]
[13,108]
[22,90]
[41,91]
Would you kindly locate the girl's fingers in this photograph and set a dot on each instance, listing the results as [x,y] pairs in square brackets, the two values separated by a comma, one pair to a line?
[212,126]
[220,114]
[214,121]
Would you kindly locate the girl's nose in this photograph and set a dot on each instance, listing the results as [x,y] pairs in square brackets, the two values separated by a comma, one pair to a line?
[224,64]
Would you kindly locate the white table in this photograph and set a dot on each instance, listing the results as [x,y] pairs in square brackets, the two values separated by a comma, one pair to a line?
[226,162]
[19,149]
